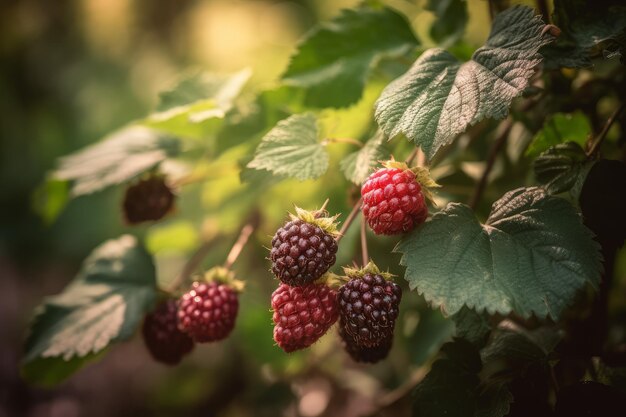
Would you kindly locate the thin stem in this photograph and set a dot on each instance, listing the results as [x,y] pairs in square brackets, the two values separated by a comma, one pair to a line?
[392,397]
[542,5]
[192,264]
[343,140]
[597,142]
[235,251]
[364,253]
[491,10]
[350,219]
[411,156]
[491,159]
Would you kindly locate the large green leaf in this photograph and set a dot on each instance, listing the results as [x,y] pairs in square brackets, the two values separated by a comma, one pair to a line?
[439,97]
[563,167]
[451,20]
[333,61]
[560,128]
[196,106]
[292,149]
[531,256]
[105,303]
[359,165]
[119,157]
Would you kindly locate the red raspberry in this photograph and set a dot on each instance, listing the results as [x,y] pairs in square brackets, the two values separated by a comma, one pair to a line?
[148,200]
[302,252]
[368,307]
[364,354]
[208,312]
[165,342]
[302,314]
[393,201]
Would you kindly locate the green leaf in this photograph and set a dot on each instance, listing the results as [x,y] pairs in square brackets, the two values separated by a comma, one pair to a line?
[439,97]
[333,61]
[450,387]
[587,30]
[196,106]
[531,256]
[472,326]
[105,303]
[451,20]
[292,149]
[520,346]
[359,165]
[495,401]
[560,128]
[563,167]
[119,157]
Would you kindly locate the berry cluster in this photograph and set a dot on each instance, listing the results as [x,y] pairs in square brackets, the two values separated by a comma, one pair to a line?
[206,313]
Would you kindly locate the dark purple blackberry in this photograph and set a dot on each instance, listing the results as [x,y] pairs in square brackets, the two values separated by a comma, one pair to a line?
[368,307]
[149,199]
[364,354]
[302,251]
[164,341]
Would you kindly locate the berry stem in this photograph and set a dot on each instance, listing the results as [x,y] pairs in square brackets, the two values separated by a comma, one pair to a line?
[192,264]
[350,219]
[595,145]
[364,253]
[241,241]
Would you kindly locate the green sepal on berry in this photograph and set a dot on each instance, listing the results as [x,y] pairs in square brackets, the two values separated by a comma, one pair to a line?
[422,176]
[318,218]
[370,268]
[225,276]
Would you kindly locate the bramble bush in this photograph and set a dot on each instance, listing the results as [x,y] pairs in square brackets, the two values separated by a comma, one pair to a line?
[497,173]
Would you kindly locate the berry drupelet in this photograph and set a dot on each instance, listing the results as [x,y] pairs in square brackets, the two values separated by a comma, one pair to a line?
[364,354]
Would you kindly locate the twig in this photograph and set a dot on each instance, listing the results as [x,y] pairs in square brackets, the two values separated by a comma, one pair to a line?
[403,390]
[235,251]
[491,159]
[194,261]
[597,142]
[364,253]
[192,264]
[349,219]
[491,11]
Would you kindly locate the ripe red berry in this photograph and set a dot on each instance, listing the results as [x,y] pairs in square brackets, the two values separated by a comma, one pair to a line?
[303,250]
[148,200]
[364,354]
[302,314]
[160,333]
[393,201]
[368,307]
[207,313]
